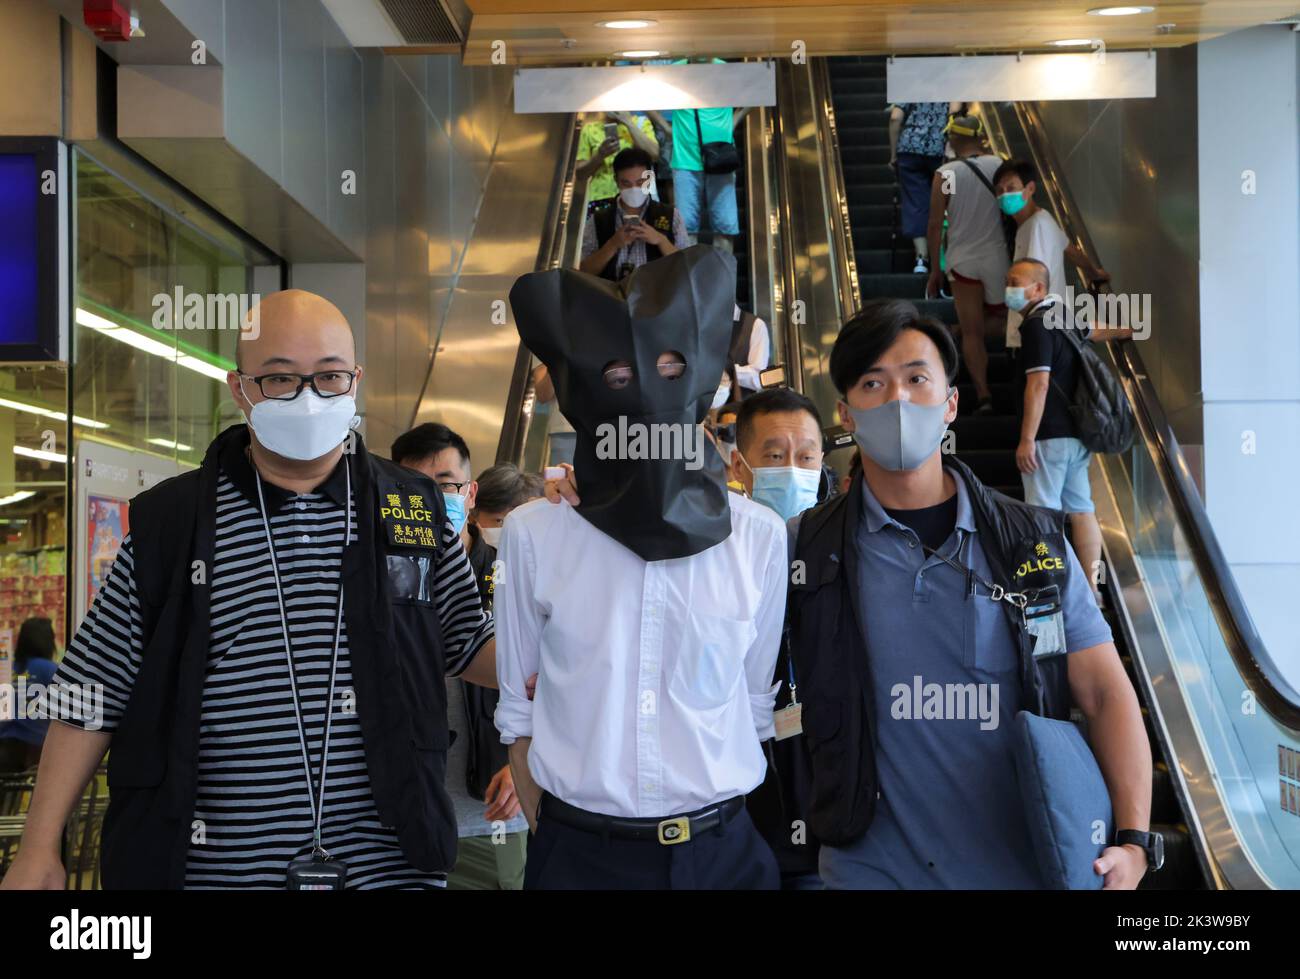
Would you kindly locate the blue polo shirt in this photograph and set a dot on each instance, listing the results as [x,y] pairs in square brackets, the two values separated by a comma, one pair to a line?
[945,676]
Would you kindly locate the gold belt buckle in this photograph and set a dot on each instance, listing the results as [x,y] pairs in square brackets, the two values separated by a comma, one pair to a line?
[677,830]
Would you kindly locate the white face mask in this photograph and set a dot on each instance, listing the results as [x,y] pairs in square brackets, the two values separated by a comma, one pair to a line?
[491,536]
[633,196]
[307,427]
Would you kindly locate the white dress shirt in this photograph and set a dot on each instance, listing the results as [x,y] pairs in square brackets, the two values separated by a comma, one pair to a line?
[760,352]
[655,682]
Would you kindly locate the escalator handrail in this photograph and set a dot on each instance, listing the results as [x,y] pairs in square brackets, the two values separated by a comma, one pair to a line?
[1257,668]
[844,258]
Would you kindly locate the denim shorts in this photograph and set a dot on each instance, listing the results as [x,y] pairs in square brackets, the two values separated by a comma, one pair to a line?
[915,180]
[691,187]
[1061,479]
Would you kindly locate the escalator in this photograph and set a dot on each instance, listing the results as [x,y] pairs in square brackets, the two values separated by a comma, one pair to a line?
[1222,775]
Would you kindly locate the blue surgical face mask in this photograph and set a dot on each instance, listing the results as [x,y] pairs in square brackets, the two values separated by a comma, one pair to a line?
[900,435]
[455,504]
[788,490]
[1015,298]
[1012,202]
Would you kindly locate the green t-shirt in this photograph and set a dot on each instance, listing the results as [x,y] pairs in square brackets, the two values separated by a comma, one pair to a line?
[602,183]
[716,124]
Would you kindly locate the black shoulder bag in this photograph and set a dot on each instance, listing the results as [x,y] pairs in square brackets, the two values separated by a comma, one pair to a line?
[717,157]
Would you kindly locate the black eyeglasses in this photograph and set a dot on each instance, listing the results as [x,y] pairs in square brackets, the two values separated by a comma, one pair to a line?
[286,387]
[453,487]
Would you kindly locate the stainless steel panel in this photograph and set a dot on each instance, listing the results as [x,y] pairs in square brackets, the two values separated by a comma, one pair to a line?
[205,19]
[1193,779]
[345,139]
[444,253]
[252,83]
[267,160]
[438,88]
[380,357]
[413,326]
[811,247]
[471,373]
[302,102]
[1132,166]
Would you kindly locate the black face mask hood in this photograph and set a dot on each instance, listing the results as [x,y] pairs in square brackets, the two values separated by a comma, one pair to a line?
[579,324]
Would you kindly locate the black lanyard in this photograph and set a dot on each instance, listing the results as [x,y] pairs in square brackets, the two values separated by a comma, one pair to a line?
[315,790]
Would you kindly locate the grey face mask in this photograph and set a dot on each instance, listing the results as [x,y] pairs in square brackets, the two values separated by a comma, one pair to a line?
[899,434]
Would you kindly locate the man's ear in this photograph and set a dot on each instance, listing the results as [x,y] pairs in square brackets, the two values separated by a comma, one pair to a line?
[950,414]
[846,419]
[472,496]
[237,392]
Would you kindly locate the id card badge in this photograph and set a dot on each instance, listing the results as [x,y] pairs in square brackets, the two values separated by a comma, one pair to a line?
[789,721]
[317,872]
[1045,621]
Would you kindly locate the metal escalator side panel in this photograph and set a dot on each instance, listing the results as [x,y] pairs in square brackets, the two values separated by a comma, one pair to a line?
[474,362]
[1175,728]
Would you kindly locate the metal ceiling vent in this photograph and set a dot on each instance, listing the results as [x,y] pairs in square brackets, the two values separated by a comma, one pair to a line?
[424,21]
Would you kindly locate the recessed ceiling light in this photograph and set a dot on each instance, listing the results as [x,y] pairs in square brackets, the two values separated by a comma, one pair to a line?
[1128,11]
[1072,42]
[637,54]
[626,25]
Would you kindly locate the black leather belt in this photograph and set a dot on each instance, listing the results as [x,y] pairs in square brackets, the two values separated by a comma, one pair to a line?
[668,831]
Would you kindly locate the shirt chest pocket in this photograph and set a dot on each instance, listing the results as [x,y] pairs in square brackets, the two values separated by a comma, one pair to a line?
[710,661]
[988,643]
[410,577]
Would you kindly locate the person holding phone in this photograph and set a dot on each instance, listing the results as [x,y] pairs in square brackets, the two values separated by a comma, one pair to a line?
[625,233]
[601,140]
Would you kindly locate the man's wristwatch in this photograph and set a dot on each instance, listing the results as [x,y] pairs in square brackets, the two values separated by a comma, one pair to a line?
[1153,844]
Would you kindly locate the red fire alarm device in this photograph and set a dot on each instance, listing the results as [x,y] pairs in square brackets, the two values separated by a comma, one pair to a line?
[108,19]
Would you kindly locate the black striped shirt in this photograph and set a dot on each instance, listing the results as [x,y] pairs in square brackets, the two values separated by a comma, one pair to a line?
[252,812]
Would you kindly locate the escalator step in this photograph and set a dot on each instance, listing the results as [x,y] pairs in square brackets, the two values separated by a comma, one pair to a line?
[990,466]
[881,195]
[860,175]
[869,215]
[863,152]
[896,286]
[844,70]
[987,432]
[867,236]
[875,118]
[941,309]
[875,261]
[1004,402]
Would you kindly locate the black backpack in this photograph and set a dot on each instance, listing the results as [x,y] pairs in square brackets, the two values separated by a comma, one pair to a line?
[1102,418]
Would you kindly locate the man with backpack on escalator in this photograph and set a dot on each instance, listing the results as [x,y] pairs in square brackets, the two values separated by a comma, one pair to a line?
[1057,436]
